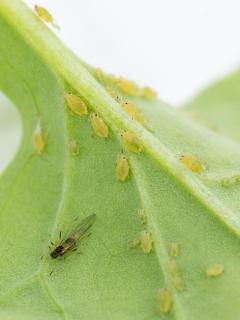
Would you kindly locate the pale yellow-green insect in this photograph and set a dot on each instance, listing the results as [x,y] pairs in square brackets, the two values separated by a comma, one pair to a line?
[74,147]
[148,93]
[176,275]
[215,270]
[192,163]
[76,104]
[142,215]
[132,142]
[38,139]
[174,250]
[45,16]
[134,243]
[227,182]
[146,241]
[122,167]
[165,300]
[99,126]
[133,112]
[128,87]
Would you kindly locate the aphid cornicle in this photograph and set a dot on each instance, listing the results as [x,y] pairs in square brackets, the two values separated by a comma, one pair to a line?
[132,142]
[99,126]
[45,16]
[122,168]
[70,242]
[76,104]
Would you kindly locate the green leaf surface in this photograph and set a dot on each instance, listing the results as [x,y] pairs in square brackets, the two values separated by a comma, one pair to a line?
[43,194]
[218,107]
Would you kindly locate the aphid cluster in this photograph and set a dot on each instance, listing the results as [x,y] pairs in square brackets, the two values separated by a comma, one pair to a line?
[45,16]
[165,300]
[99,126]
[124,85]
[192,163]
[38,139]
[70,242]
[176,277]
[132,142]
[122,167]
[76,104]
[215,270]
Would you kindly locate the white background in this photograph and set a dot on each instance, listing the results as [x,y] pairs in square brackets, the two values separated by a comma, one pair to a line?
[175,46]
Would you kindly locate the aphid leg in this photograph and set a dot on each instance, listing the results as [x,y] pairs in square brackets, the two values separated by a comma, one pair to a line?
[74,249]
[50,273]
[60,235]
[52,243]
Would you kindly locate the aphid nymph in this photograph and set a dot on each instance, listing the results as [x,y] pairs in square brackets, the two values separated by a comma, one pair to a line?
[132,142]
[192,163]
[99,126]
[45,16]
[122,167]
[70,242]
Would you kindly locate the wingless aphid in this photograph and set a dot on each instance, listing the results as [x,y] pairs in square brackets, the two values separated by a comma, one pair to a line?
[76,235]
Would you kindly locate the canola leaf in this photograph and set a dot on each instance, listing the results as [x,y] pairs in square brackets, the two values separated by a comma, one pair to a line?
[217,107]
[42,194]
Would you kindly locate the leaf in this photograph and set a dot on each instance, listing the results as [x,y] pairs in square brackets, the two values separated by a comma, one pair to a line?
[45,189]
[10,131]
[217,107]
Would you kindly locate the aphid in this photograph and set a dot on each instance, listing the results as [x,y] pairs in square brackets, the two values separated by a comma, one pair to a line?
[129,87]
[142,215]
[122,168]
[148,93]
[146,241]
[178,283]
[45,16]
[133,112]
[99,126]
[227,182]
[113,93]
[76,104]
[165,300]
[215,270]
[174,250]
[192,163]
[74,147]
[173,267]
[71,241]
[38,139]
[132,142]
[212,127]
[176,275]
[134,243]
